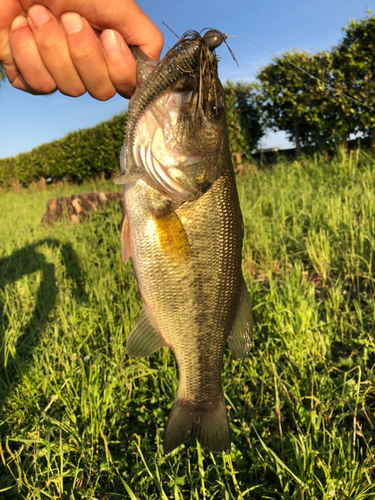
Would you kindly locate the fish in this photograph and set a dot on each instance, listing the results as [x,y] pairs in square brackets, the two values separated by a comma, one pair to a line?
[183,230]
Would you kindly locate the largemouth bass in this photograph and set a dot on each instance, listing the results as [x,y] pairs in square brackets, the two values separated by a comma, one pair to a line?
[183,230]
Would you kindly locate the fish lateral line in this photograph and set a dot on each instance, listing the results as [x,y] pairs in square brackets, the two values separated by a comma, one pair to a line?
[330,87]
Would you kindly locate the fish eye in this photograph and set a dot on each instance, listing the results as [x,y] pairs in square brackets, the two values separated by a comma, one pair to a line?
[215,110]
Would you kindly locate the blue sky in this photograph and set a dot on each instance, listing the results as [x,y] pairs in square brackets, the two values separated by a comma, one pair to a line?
[28,121]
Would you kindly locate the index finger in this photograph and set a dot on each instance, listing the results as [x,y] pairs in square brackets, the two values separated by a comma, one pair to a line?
[124,16]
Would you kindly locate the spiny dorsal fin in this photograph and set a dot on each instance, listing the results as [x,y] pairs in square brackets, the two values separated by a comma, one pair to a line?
[240,339]
[144,339]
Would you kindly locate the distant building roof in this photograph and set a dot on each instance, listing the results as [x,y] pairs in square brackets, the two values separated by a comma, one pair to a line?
[269,150]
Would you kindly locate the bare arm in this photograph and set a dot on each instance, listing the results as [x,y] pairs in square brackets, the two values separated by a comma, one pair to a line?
[52,45]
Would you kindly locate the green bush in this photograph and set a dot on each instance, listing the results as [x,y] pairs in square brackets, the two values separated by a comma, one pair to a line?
[77,156]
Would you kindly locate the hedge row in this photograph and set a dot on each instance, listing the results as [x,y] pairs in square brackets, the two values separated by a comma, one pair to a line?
[77,156]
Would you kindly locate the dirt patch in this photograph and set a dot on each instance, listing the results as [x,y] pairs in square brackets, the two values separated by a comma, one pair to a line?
[76,207]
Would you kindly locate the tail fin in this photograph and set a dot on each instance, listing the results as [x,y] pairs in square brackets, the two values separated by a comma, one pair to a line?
[209,425]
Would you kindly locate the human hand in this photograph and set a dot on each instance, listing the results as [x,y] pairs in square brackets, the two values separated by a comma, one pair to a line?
[40,54]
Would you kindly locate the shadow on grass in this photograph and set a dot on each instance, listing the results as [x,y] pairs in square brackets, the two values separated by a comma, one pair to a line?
[23,262]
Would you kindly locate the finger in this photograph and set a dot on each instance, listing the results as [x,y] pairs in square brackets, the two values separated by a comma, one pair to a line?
[29,73]
[124,16]
[8,12]
[87,55]
[53,49]
[8,62]
[120,62]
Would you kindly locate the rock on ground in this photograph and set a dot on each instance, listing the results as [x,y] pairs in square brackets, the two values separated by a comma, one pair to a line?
[76,207]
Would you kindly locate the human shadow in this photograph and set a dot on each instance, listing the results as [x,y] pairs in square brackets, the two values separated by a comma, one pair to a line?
[15,359]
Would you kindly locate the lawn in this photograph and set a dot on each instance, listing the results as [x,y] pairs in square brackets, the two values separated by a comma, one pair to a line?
[81,419]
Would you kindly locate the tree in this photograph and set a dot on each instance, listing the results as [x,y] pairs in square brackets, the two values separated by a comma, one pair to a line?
[305,107]
[282,95]
[244,120]
[354,71]
[314,99]
[328,114]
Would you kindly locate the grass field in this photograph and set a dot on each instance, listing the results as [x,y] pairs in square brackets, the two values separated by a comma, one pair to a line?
[81,419]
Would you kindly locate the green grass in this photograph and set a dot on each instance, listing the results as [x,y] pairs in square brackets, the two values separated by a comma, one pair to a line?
[80,419]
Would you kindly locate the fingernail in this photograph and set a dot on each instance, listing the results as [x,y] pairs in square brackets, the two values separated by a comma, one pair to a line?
[19,22]
[38,15]
[72,22]
[111,42]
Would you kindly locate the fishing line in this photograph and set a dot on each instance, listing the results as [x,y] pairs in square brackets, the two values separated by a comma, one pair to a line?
[170,29]
[304,71]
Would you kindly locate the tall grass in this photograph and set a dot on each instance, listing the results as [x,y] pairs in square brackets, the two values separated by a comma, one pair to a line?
[80,419]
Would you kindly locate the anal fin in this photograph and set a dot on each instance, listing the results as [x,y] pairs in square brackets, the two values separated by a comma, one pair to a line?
[144,339]
[240,339]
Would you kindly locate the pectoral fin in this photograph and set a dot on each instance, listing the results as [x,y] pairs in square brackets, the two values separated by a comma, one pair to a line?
[240,338]
[144,339]
[171,234]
